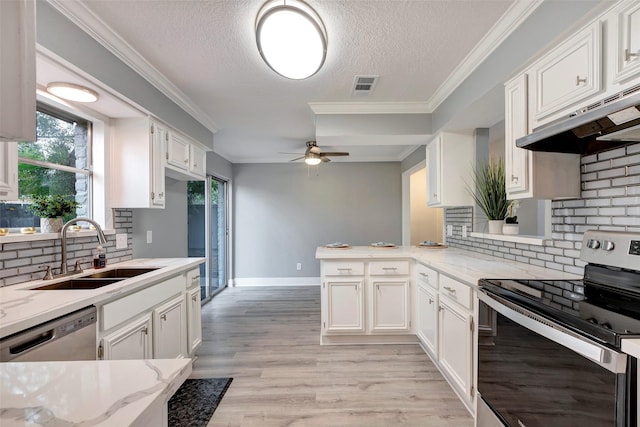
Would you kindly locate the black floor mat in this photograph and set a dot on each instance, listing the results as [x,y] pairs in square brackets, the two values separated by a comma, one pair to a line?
[195,401]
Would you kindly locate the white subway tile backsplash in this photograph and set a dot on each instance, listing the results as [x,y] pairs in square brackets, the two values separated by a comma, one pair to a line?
[22,261]
[610,201]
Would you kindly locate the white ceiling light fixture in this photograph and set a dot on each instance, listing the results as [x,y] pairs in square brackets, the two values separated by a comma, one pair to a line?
[291,38]
[72,92]
[312,159]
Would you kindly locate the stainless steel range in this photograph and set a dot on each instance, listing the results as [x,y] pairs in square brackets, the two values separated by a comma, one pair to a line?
[551,354]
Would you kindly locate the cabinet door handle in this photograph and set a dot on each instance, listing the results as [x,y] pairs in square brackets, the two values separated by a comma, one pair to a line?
[164,317]
[145,330]
[435,195]
[355,288]
[440,308]
[579,80]
[194,298]
[430,301]
[161,195]
[378,288]
[514,179]
[628,55]
[453,291]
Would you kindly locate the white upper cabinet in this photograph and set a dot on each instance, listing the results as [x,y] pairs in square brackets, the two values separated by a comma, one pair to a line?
[18,71]
[184,158]
[533,174]
[516,159]
[178,152]
[8,170]
[198,161]
[566,76]
[137,163]
[450,160]
[624,44]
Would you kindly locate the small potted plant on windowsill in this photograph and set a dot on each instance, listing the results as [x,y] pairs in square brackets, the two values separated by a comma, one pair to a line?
[51,210]
[510,225]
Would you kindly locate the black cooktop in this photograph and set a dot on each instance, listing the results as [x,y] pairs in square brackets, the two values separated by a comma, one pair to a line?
[605,305]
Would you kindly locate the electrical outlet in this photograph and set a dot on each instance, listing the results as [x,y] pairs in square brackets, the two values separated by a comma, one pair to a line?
[121,241]
[449,230]
[299,266]
[149,236]
[464,231]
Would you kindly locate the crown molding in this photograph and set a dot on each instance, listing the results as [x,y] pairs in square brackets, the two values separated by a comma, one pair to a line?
[370,107]
[508,22]
[78,13]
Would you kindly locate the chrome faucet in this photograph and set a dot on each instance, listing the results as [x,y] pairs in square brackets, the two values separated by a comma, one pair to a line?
[101,238]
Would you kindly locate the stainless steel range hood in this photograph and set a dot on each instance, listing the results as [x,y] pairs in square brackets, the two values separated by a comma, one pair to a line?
[611,123]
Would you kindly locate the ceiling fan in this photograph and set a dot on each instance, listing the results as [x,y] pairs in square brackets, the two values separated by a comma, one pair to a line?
[313,155]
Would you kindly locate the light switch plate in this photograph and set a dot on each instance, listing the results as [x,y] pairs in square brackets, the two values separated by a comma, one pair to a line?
[149,236]
[449,230]
[121,241]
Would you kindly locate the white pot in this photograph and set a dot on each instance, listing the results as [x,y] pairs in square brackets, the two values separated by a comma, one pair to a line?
[495,226]
[50,225]
[510,229]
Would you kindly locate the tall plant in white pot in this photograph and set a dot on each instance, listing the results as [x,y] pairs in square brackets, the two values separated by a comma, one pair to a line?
[52,210]
[489,193]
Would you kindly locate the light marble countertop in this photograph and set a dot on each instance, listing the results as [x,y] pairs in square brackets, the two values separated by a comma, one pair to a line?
[22,308]
[466,266]
[88,393]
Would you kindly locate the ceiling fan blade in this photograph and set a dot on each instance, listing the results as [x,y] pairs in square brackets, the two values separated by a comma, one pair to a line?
[297,158]
[325,159]
[335,153]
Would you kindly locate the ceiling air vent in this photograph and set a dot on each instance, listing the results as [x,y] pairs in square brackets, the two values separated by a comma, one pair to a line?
[364,85]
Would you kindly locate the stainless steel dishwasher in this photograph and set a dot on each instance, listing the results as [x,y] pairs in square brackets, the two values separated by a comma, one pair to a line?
[69,337]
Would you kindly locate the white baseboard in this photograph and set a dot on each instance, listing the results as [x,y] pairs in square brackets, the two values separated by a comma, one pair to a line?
[276,281]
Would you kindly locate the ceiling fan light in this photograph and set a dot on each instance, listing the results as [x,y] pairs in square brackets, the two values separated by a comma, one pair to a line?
[72,92]
[291,38]
[312,159]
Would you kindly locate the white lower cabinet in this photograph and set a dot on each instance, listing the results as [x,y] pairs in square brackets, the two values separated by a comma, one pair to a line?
[427,309]
[343,311]
[194,320]
[389,305]
[131,341]
[170,329]
[455,347]
[160,321]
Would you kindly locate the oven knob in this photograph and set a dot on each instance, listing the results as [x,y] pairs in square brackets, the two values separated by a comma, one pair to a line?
[593,244]
[608,245]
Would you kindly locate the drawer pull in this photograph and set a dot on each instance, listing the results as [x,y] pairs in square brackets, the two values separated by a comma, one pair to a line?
[453,291]
[628,55]
[579,80]
[389,268]
[344,269]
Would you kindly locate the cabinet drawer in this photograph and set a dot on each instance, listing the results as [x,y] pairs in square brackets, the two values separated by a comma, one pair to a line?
[193,278]
[456,291]
[348,268]
[427,276]
[389,268]
[125,308]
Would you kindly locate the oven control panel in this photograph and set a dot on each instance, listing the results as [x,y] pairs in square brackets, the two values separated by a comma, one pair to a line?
[612,248]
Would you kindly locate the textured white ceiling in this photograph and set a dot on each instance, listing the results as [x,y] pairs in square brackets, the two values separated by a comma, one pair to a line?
[207,49]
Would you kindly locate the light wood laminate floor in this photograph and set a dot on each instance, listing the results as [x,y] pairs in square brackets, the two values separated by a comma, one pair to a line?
[267,339]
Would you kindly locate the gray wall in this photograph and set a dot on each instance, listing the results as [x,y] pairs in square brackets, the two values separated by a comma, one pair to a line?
[168,225]
[282,212]
[219,166]
[417,156]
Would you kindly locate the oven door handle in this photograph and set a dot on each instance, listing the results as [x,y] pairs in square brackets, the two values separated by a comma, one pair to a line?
[609,359]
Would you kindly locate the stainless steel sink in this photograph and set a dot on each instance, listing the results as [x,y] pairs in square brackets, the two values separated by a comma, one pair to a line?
[119,273]
[80,283]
